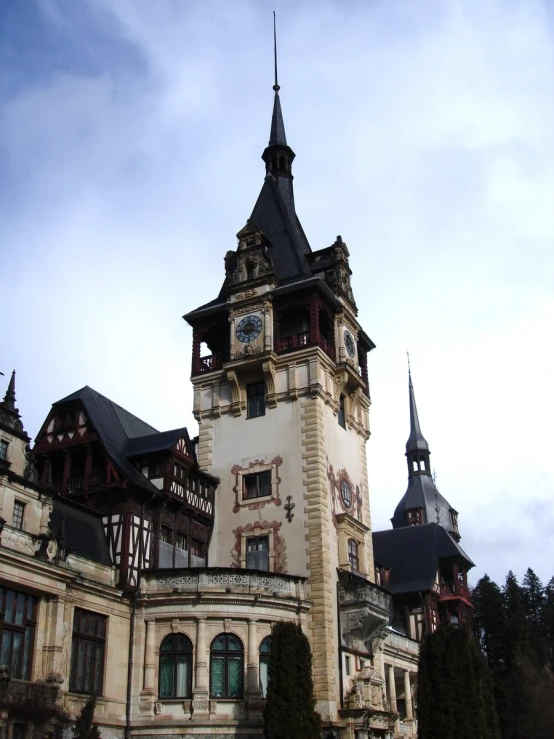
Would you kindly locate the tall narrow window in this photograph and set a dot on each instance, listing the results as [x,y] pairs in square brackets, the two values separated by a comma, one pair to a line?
[3,449]
[18,632]
[342,414]
[165,549]
[87,652]
[257,553]
[255,400]
[353,554]
[257,485]
[265,649]
[18,513]
[226,667]
[175,667]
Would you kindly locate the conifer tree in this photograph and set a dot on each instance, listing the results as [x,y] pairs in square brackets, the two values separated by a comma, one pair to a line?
[489,622]
[290,707]
[85,728]
[455,697]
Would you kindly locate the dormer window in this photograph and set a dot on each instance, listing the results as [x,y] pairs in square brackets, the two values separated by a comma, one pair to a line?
[414,517]
[249,271]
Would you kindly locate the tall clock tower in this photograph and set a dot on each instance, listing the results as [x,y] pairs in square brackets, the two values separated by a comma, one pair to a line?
[279,368]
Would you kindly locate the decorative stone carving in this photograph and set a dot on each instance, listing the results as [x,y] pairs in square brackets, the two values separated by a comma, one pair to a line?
[364,612]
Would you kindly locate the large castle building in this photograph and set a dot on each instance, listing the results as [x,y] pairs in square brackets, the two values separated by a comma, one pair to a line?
[148,567]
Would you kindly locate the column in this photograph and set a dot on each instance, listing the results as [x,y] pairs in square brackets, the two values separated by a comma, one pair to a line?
[201,698]
[267,328]
[149,655]
[252,694]
[66,471]
[408,696]
[45,516]
[392,690]
[88,466]
[232,338]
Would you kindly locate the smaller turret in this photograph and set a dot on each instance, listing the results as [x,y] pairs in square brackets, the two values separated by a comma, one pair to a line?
[422,503]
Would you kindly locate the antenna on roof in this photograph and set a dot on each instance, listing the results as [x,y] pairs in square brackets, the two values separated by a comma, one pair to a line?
[276,85]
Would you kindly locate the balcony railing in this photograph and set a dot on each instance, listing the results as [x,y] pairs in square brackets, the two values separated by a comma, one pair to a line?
[297,341]
[454,589]
[77,485]
[210,363]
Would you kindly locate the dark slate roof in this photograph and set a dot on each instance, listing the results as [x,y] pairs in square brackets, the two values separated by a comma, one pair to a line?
[277,134]
[157,442]
[115,426]
[83,530]
[416,440]
[412,554]
[422,493]
[274,213]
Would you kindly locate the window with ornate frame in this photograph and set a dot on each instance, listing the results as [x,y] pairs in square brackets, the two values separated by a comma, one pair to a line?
[88,650]
[256,485]
[257,552]
[17,632]
[265,650]
[226,667]
[175,677]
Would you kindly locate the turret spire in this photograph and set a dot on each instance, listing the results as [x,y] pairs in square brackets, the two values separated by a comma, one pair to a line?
[416,440]
[277,136]
[9,397]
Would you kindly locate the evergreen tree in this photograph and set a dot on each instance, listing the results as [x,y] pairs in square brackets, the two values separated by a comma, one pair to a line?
[533,595]
[85,728]
[547,622]
[455,696]
[489,622]
[517,634]
[290,707]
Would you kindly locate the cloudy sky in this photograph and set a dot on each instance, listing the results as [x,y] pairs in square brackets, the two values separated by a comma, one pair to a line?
[130,141]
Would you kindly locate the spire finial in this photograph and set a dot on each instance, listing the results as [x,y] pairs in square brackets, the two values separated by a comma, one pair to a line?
[9,398]
[409,368]
[276,85]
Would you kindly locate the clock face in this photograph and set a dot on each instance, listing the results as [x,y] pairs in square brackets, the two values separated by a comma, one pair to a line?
[248,328]
[346,494]
[349,343]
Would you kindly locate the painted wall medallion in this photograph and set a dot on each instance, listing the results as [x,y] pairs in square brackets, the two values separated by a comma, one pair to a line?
[249,328]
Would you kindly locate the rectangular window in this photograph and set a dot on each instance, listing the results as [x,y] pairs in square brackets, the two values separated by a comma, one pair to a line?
[342,414]
[18,632]
[255,400]
[257,553]
[257,485]
[18,513]
[347,665]
[88,648]
[3,449]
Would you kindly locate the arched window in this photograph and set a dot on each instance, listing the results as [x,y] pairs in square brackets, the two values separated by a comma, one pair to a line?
[176,667]
[226,667]
[353,554]
[265,648]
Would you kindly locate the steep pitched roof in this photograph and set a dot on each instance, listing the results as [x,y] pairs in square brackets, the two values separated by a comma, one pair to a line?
[157,442]
[115,426]
[412,554]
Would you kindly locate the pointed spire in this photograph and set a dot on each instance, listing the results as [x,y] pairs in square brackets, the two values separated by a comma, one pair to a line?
[416,440]
[277,134]
[9,397]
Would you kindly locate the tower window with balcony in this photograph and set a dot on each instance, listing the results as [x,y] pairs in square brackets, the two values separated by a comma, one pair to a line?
[17,632]
[3,449]
[257,485]
[87,652]
[255,400]
[353,557]
[257,553]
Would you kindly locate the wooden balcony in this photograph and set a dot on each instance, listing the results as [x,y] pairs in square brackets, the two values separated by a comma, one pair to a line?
[449,590]
[298,341]
[211,363]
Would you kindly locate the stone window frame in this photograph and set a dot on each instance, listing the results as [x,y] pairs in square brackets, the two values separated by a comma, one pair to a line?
[277,548]
[245,535]
[349,528]
[258,465]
